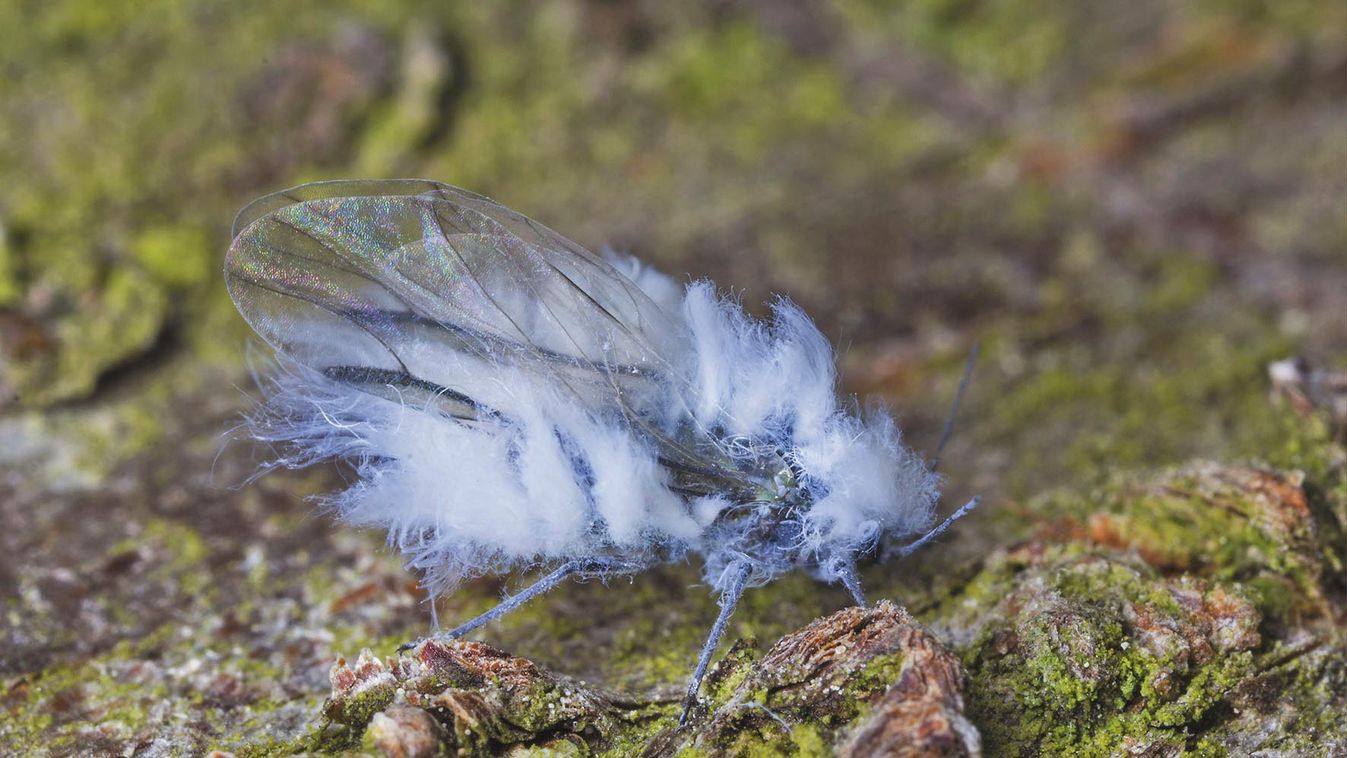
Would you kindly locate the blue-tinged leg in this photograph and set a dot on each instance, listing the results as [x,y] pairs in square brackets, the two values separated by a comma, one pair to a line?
[736,575]
[939,530]
[581,566]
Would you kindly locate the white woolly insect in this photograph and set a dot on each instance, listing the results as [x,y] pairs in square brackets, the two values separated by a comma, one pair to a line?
[511,400]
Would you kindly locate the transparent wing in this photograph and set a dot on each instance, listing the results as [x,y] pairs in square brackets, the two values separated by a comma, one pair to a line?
[415,286]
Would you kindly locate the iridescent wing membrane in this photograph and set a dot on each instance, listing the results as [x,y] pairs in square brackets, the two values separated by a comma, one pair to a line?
[428,293]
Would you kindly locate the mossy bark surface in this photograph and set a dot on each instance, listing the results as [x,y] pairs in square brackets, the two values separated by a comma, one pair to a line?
[1137,209]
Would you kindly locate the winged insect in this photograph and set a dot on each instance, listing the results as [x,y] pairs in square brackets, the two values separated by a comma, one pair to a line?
[511,401]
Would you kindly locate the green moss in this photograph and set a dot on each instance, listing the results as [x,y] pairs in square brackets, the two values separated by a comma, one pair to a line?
[1309,446]
[637,735]
[1057,662]
[769,739]
[10,287]
[746,82]
[183,554]
[1072,667]
[176,256]
[356,709]
[1194,520]
[1190,534]
[125,685]
[1154,366]
[810,741]
[324,738]
[879,673]
[90,691]
[732,671]
[1011,41]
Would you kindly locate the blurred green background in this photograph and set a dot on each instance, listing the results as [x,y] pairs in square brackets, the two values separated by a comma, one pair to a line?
[1134,205]
[1113,195]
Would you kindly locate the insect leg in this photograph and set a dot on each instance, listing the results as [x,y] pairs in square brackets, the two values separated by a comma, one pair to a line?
[939,530]
[846,574]
[543,585]
[736,575]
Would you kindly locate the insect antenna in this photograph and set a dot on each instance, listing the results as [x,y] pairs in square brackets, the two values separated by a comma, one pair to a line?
[912,547]
[954,407]
[917,544]
[736,575]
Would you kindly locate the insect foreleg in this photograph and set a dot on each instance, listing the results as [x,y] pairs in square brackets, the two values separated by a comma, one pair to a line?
[736,574]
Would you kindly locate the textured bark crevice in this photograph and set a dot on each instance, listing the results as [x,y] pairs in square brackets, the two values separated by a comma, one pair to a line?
[871,681]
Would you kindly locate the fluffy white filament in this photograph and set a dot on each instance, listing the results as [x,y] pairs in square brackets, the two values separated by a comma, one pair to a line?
[563,479]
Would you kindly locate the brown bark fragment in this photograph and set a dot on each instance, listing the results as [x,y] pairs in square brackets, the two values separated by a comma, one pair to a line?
[402,731]
[826,672]
[922,713]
